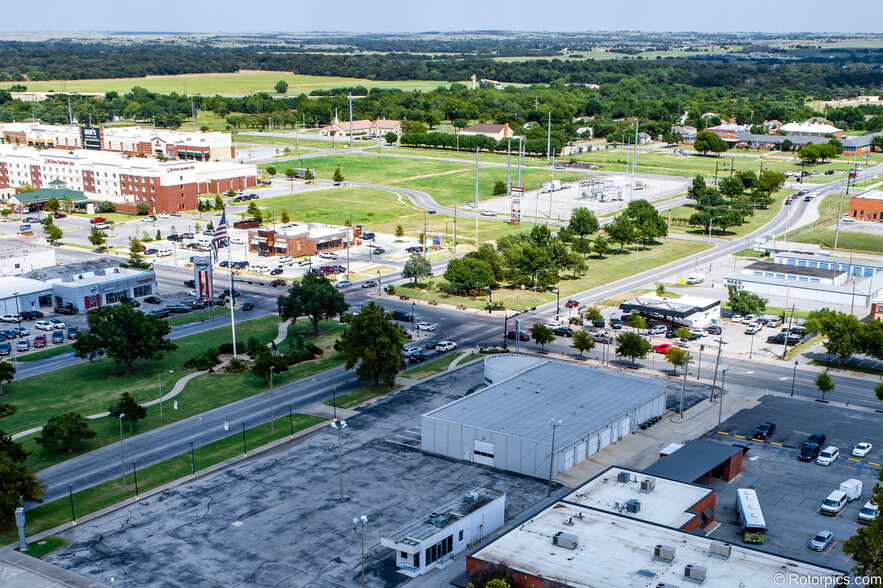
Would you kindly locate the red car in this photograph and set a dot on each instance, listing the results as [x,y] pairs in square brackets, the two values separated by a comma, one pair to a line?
[97,219]
[571,303]
[275,283]
[662,348]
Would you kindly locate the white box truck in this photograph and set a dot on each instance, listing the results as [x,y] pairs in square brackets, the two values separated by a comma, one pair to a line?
[852,488]
[695,278]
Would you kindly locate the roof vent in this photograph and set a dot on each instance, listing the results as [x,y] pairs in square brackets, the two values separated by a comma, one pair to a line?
[565,540]
[720,549]
[624,477]
[99,272]
[116,270]
[666,585]
[697,573]
[665,553]
[648,485]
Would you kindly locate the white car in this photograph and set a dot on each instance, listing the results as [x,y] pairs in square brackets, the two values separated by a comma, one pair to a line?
[286,259]
[847,219]
[445,346]
[828,456]
[488,213]
[163,253]
[163,215]
[328,255]
[44,325]
[862,449]
[425,326]
[700,332]
[192,293]
[748,319]
[237,240]
[736,318]
[657,330]
[752,329]
[409,351]
[11,318]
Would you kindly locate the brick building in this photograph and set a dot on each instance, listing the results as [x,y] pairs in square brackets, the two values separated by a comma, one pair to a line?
[298,240]
[866,206]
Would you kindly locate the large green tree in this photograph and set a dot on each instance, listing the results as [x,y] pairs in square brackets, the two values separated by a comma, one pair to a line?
[7,373]
[844,334]
[469,273]
[706,141]
[824,383]
[372,344]
[541,334]
[742,302]
[632,346]
[582,341]
[265,361]
[678,358]
[621,230]
[866,546]
[128,406]
[313,297]
[417,267]
[583,222]
[124,334]
[97,238]
[65,430]
[17,482]
[647,221]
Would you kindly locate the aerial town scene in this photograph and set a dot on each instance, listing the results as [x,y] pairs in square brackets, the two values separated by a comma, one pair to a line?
[403,295]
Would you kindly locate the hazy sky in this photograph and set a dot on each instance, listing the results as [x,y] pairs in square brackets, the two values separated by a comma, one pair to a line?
[226,16]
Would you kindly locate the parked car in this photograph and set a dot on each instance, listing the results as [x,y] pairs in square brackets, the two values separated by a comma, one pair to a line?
[764,430]
[598,323]
[159,313]
[247,306]
[59,215]
[615,323]
[779,339]
[97,219]
[818,438]
[11,318]
[414,249]
[445,346]
[602,338]
[130,301]
[862,449]
[367,235]
[73,332]
[828,456]
[752,329]
[834,503]
[5,348]
[57,337]
[20,331]
[44,326]
[713,330]
[662,348]
[369,284]
[657,330]
[9,334]
[821,541]
[164,253]
[700,332]
[30,315]
[809,452]
[57,323]
[521,335]
[65,310]
[153,300]
[692,336]
[418,357]
[424,326]
[278,282]
[563,331]
[736,318]
[571,303]
[343,284]
[187,235]
[39,341]
[178,308]
[379,250]
[431,343]
[409,351]
[401,315]
[868,513]
[23,345]
[328,255]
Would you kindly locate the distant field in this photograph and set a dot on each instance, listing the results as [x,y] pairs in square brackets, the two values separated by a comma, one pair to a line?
[600,54]
[239,83]
[846,240]
[359,167]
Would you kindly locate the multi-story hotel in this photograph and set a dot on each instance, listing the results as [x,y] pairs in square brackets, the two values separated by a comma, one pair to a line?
[128,140]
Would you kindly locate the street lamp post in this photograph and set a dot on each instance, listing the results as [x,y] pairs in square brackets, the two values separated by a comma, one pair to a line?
[720,344]
[793,378]
[271,398]
[339,426]
[554,424]
[684,388]
[122,451]
[720,402]
[361,522]
[710,224]
[699,363]
[160,393]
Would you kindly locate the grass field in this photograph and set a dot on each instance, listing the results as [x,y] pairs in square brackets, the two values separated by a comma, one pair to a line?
[600,271]
[238,83]
[304,145]
[47,352]
[752,223]
[90,388]
[359,396]
[368,168]
[87,501]
[846,240]
[527,161]
[435,366]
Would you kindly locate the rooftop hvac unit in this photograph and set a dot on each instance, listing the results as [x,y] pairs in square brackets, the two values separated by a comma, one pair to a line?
[648,485]
[440,520]
[116,270]
[99,272]
[624,477]
[697,573]
[720,549]
[470,496]
[664,552]
[565,540]
[666,585]
[633,506]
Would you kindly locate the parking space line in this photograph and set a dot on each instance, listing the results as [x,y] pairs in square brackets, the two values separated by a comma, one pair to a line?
[780,451]
[854,459]
[817,510]
[860,466]
[739,437]
[754,482]
[830,548]
[875,464]
[722,433]
[776,444]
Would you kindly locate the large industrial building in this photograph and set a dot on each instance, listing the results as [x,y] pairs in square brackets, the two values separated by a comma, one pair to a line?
[127,140]
[509,424]
[688,311]
[18,294]
[164,186]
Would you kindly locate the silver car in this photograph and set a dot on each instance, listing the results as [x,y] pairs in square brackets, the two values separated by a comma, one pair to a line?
[821,541]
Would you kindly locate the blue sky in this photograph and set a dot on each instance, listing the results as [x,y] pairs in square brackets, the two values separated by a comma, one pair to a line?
[228,16]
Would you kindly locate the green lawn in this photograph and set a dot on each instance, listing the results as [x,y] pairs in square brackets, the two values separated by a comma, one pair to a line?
[99,386]
[752,223]
[469,156]
[87,501]
[242,83]
[600,271]
[47,352]
[435,366]
[367,168]
[45,546]
[359,396]
[305,145]
[846,240]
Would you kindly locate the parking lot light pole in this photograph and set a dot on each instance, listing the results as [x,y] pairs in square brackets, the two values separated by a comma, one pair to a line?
[362,522]
[793,378]
[684,388]
[160,393]
[699,363]
[720,344]
[339,426]
[554,424]
[720,402]
[122,451]
[271,399]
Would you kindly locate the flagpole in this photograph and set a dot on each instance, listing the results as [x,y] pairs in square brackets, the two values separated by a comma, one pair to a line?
[232,297]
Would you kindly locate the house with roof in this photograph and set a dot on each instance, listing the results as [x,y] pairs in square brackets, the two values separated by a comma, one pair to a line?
[494,131]
[382,126]
[343,129]
[811,129]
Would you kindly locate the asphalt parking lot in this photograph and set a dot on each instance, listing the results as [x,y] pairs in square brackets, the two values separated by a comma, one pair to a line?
[278,521]
[790,492]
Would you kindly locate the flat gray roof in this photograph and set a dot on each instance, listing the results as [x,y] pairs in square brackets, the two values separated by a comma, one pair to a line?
[693,460]
[826,259]
[784,268]
[583,398]
[419,529]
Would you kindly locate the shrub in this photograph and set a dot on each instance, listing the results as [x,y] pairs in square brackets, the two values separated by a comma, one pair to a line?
[235,366]
[204,361]
[391,290]
[253,347]
[7,409]
[227,348]
[106,206]
[313,349]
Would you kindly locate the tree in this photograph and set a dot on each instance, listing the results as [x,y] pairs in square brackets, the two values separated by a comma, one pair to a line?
[660,290]
[338,176]
[541,334]
[97,238]
[592,314]
[290,173]
[7,373]
[264,360]
[732,187]
[309,175]
[678,357]
[143,209]
[17,482]
[65,430]
[314,297]
[52,204]
[499,187]
[582,341]
[373,345]
[583,222]
[647,221]
[417,267]
[53,233]
[638,322]
[632,346]
[400,231]
[621,230]
[469,273]
[742,302]
[878,391]
[706,141]
[600,246]
[417,128]
[271,171]
[824,383]
[125,335]
[866,546]
[128,406]
[390,138]
[284,217]
[219,202]
[844,334]
[582,246]
[281,87]
[25,189]
[683,333]
[135,249]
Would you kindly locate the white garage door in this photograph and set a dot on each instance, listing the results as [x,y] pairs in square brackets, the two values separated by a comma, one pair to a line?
[605,438]
[593,444]
[625,427]
[568,459]
[580,452]
[483,453]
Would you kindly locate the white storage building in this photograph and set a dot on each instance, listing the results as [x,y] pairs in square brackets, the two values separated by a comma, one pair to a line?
[507,425]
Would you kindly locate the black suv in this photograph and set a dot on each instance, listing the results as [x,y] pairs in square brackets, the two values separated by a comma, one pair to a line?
[521,335]
[598,323]
[809,452]
[563,331]
[817,438]
[764,430]
[401,315]
[779,339]
[367,236]
[615,323]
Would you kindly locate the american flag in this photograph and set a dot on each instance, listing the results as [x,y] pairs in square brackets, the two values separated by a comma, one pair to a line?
[220,235]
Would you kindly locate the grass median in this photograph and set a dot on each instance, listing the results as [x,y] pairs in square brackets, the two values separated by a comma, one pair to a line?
[58,512]
[432,367]
[359,396]
[369,168]
[47,352]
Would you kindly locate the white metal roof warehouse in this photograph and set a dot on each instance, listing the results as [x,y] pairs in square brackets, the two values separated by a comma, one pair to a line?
[507,425]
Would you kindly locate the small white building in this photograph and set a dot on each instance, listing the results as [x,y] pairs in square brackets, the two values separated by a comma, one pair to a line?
[16,261]
[18,294]
[433,540]
[688,311]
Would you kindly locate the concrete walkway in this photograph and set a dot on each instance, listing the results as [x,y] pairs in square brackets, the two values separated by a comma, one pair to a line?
[23,571]
[460,359]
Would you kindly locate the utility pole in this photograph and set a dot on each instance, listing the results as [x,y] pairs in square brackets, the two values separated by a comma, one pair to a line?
[520,154]
[351,119]
[475,206]
[839,208]
[720,344]
[549,138]
[455,229]
[193,114]
[508,166]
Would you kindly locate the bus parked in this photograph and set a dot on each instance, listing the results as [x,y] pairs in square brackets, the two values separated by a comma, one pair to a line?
[750,516]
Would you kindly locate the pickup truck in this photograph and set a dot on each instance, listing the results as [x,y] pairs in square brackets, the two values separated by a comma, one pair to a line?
[65,310]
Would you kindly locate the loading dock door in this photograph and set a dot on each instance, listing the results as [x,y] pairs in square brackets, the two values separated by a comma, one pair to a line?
[593,444]
[483,453]
[580,451]
[605,438]
[625,427]
[568,459]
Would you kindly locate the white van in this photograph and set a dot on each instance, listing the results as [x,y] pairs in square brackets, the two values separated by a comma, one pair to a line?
[868,513]
[834,503]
